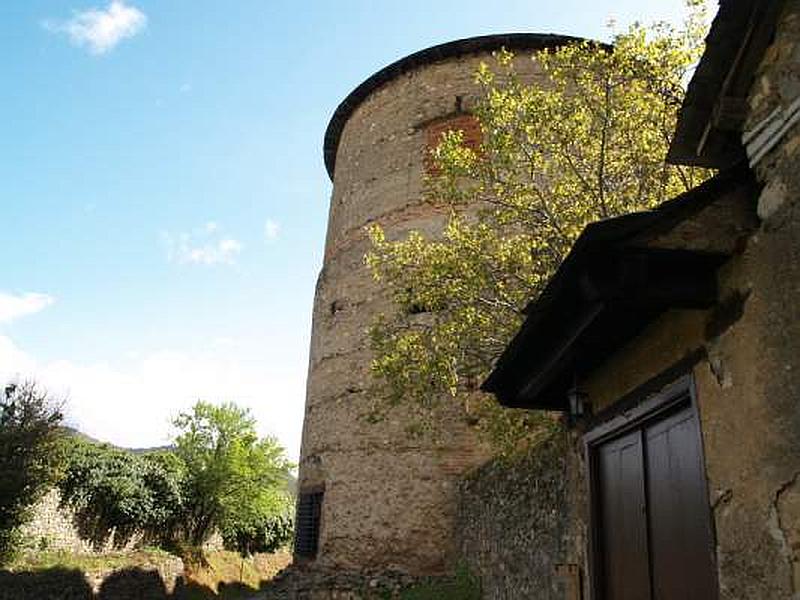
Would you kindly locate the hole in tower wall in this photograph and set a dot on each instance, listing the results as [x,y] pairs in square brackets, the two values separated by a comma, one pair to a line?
[459,121]
[336,306]
[416,309]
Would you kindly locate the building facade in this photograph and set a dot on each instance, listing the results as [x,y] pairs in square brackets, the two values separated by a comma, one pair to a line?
[676,351]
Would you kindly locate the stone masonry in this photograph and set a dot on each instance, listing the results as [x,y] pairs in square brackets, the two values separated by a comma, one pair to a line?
[52,528]
[389,499]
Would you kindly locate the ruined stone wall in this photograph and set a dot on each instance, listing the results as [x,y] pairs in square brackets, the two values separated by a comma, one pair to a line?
[389,499]
[522,522]
[52,529]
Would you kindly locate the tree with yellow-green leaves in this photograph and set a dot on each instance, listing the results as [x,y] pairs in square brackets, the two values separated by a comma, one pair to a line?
[587,142]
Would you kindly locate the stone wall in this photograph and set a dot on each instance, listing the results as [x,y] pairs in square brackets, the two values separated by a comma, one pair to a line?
[52,528]
[522,522]
[389,499]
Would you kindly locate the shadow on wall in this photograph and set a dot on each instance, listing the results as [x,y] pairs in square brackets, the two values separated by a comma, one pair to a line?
[126,584]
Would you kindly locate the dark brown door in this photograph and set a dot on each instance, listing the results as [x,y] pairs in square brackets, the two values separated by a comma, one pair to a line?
[681,540]
[653,530]
[624,530]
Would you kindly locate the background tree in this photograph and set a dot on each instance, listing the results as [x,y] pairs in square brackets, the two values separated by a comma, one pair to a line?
[30,457]
[586,142]
[233,477]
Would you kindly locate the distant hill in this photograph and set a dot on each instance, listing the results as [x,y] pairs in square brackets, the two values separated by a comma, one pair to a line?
[71,431]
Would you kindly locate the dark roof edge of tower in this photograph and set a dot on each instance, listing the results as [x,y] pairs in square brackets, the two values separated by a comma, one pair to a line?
[473,45]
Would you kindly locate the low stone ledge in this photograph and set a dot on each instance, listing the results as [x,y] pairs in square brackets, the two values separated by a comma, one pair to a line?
[299,582]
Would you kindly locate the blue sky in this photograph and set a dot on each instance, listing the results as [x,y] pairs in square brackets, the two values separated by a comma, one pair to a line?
[162,193]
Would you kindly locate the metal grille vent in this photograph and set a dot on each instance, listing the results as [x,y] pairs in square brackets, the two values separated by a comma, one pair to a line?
[306,537]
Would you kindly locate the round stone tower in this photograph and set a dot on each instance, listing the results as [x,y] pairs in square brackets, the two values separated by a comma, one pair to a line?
[371,496]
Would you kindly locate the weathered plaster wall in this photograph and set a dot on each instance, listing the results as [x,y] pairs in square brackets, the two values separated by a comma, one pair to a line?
[517,521]
[389,499]
[522,522]
[748,383]
[748,393]
[755,470]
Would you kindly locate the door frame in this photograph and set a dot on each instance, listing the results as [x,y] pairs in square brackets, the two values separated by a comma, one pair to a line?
[652,406]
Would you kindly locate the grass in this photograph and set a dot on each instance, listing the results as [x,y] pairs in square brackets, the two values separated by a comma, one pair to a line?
[92,563]
[223,575]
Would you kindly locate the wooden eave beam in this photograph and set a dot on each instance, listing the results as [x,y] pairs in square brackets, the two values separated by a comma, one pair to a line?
[646,281]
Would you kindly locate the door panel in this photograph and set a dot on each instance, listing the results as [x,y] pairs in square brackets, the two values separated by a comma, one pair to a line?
[680,533]
[623,533]
[652,522]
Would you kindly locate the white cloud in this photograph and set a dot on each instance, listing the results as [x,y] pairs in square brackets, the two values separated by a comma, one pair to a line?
[271,230]
[12,307]
[132,404]
[13,361]
[185,88]
[204,246]
[101,29]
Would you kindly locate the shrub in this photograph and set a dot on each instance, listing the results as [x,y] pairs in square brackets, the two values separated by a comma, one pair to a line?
[30,457]
[111,489]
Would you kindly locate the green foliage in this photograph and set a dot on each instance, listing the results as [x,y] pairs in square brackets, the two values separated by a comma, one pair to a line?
[464,586]
[586,142]
[30,457]
[110,488]
[234,480]
[11,540]
[254,534]
[219,476]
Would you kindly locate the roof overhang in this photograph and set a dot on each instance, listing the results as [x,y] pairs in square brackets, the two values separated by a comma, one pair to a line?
[708,133]
[608,289]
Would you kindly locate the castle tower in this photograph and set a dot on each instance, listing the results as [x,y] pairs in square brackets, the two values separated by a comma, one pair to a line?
[369,495]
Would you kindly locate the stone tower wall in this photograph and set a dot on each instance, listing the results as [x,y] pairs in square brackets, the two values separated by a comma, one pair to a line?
[389,499]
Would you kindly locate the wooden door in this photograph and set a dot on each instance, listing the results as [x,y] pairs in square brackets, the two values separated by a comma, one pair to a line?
[681,541]
[652,524]
[622,513]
